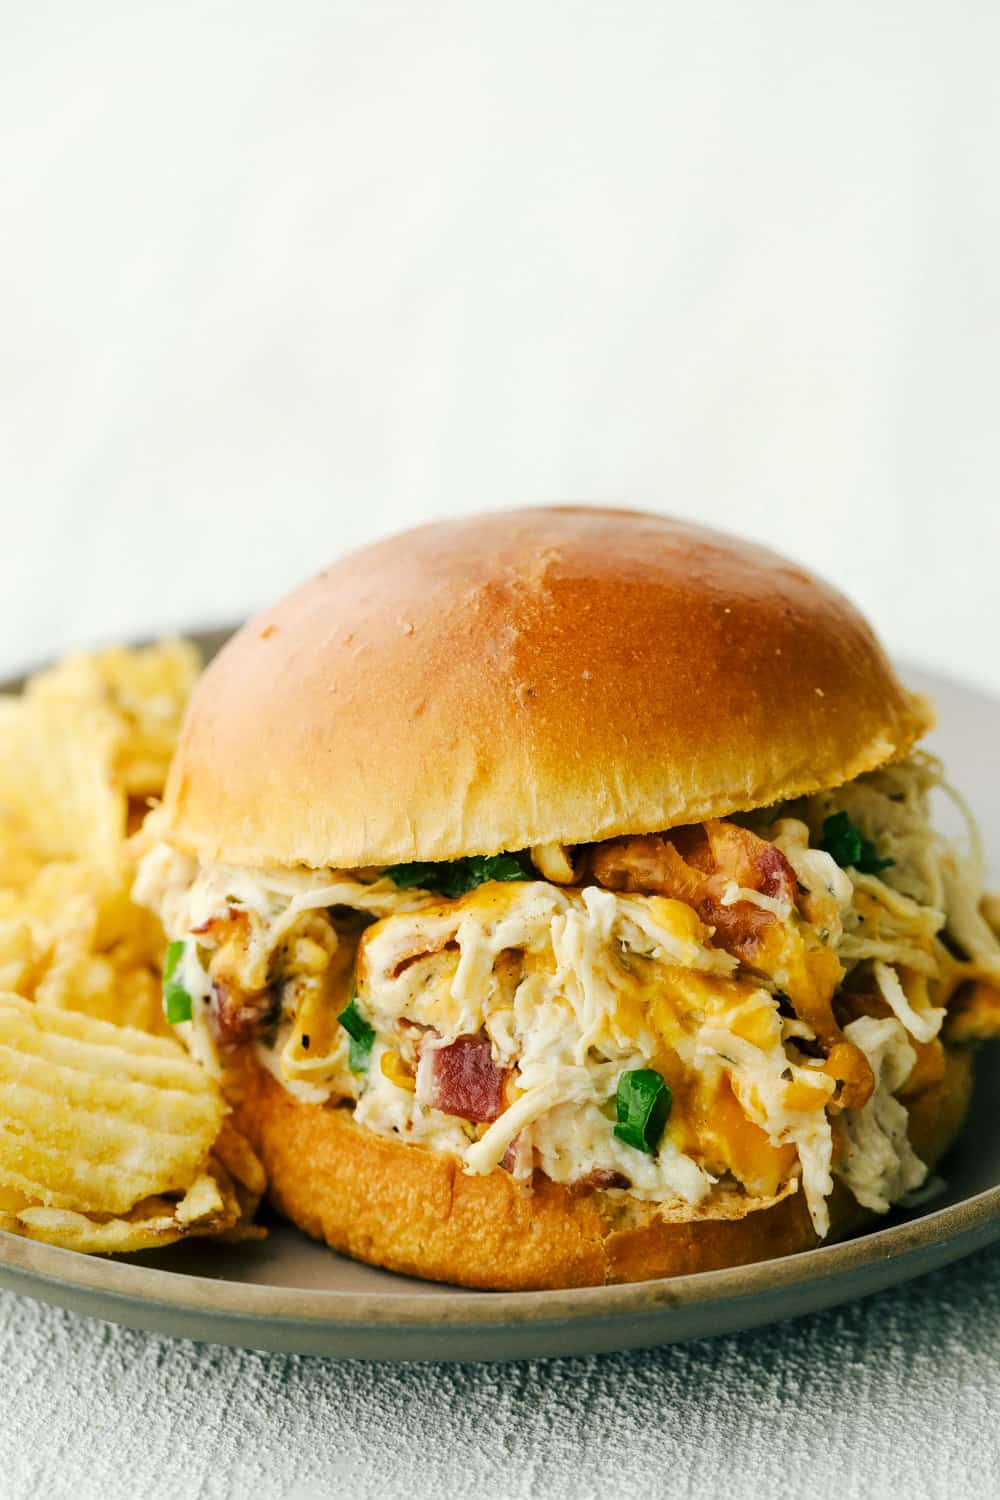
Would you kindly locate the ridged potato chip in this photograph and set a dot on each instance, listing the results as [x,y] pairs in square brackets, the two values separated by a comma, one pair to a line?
[20,956]
[112,1139]
[213,1205]
[94,1117]
[58,796]
[137,694]
[93,949]
[79,754]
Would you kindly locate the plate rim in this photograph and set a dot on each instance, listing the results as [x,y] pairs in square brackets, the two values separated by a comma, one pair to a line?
[975,1218]
[32,1266]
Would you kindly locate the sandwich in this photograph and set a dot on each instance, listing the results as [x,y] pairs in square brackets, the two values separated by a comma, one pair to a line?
[557,895]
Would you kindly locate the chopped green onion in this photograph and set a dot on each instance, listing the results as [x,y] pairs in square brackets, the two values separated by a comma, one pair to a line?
[642,1105]
[418,874]
[844,843]
[361,1034]
[176,1000]
[456,877]
[481,868]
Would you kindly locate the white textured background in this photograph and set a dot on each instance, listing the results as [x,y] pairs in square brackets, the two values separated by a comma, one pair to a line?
[276,278]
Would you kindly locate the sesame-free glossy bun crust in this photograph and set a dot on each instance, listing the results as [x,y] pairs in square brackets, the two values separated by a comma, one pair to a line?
[413,1210]
[523,678]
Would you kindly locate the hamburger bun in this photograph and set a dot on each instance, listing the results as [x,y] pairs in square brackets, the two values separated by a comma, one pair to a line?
[525,678]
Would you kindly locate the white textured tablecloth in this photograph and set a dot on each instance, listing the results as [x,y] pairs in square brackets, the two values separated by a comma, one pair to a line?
[894,1396]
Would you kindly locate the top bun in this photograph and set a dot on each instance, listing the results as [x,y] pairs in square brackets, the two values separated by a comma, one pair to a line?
[528,677]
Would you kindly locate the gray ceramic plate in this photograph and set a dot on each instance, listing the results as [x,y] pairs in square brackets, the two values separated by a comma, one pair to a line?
[290,1294]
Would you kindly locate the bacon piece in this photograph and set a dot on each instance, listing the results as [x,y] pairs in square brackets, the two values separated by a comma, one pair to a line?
[695,865]
[752,862]
[739,928]
[462,1079]
[236,1016]
[652,864]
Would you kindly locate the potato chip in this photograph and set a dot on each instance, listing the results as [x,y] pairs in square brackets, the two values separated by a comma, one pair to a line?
[99,953]
[21,956]
[210,1207]
[100,985]
[58,796]
[112,1138]
[80,949]
[95,1117]
[137,695]
[88,736]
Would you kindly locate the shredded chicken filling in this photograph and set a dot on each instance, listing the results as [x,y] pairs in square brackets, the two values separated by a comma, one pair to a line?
[790,1005]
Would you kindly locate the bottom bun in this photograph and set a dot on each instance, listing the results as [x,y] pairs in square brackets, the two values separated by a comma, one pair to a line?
[412,1210]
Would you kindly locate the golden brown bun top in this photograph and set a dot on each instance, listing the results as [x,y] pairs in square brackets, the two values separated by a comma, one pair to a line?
[523,678]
